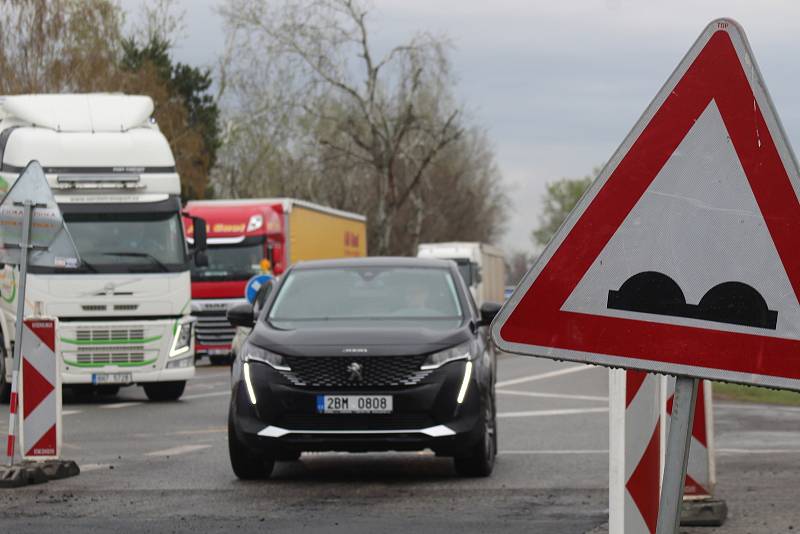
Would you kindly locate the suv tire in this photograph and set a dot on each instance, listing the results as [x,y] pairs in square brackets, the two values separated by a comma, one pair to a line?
[247,466]
[480,461]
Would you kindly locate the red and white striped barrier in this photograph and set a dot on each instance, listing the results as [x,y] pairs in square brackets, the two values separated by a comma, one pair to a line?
[638,404]
[700,468]
[12,418]
[40,391]
[635,455]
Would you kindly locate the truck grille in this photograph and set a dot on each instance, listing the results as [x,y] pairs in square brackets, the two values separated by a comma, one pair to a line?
[111,354]
[213,328]
[376,371]
[108,334]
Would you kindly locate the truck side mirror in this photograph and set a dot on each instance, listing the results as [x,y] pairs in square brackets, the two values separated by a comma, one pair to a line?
[200,234]
[201,257]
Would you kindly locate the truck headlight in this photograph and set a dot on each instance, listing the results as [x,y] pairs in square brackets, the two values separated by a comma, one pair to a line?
[182,341]
[251,353]
[438,359]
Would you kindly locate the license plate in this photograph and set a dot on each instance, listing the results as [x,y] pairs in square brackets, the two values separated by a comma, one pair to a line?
[99,379]
[354,403]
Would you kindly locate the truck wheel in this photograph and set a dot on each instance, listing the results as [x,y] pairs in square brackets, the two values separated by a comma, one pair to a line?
[480,461]
[107,391]
[164,391]
[5,387]
[246,465]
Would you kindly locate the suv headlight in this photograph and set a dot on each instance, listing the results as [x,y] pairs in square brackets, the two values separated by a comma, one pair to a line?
[438,359]
[182,341]
[251,353]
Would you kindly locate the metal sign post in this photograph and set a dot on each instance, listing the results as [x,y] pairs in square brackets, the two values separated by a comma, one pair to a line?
[32,233]
[678,440]
[24,246]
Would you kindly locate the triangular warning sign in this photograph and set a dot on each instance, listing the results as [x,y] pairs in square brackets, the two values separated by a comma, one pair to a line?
[682,256]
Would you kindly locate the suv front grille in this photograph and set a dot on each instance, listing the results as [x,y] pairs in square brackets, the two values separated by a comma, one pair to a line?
[376,371]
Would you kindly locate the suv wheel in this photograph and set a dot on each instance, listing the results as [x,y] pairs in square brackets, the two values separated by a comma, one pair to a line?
[480,461]
[245,464]
[164,391]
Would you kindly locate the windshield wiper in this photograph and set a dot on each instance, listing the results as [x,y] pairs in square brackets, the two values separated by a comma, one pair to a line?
[89,266]
[145,255]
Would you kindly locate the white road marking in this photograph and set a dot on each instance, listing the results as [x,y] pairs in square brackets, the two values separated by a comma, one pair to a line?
[542,376]
[577,451]
[119,405]
[204,395]
[551,395]
[545,413]
[85,468]
[71,412]
[175,451]
[214,376]
[605,451]
[218,430]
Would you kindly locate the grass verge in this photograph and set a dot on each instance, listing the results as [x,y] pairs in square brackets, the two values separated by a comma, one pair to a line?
[736,392]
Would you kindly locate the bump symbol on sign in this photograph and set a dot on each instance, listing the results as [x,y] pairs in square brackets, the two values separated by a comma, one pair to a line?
[729,302]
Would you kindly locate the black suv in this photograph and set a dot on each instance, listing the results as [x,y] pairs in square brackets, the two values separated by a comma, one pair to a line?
[369,354]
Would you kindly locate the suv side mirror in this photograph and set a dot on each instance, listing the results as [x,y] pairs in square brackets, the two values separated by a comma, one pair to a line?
[488,312]
[241,315]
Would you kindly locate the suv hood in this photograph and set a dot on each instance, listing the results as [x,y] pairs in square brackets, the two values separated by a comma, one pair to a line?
[373,340]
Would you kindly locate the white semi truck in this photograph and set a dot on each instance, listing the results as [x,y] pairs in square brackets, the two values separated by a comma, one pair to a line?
[124,314]
[482,266]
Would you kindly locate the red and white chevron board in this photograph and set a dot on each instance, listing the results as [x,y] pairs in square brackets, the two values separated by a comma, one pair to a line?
[40,391]
[700,468]
[635,451]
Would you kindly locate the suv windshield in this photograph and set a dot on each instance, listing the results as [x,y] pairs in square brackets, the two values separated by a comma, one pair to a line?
[237,261]
[128,242]
[367,293]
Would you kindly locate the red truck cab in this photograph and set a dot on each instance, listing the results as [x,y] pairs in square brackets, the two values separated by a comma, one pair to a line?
[239,238]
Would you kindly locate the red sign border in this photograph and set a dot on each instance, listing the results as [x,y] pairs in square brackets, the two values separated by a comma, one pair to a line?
[532,322]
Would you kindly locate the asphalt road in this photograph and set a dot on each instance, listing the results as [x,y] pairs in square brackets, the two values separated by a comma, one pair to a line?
[163,467]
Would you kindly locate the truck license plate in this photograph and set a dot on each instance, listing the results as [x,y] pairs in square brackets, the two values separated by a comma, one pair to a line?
[98,379]
[354,404]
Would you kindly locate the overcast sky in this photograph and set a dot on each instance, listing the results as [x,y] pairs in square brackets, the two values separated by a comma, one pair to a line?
[558,84]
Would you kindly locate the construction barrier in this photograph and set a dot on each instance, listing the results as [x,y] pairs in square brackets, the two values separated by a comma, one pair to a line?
[635,455]
[639,408]
[40,391]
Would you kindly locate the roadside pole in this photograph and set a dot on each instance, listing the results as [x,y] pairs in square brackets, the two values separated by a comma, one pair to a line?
[32,233]
[24,246]
[678,440]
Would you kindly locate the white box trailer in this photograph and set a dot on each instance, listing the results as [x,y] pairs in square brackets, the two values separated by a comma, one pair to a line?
[124,315]
[481,265]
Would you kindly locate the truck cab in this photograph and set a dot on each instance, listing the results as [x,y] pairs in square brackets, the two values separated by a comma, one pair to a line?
[482,266]
[124,314]
[244,232]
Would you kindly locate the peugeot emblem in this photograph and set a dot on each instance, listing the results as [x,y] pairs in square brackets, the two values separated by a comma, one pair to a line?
[355,369]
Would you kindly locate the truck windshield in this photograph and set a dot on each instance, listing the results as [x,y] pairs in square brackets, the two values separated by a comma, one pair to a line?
[367,294]
[237,261]
[128,242]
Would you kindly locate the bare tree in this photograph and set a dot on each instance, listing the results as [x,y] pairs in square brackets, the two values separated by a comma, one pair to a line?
[383,118]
